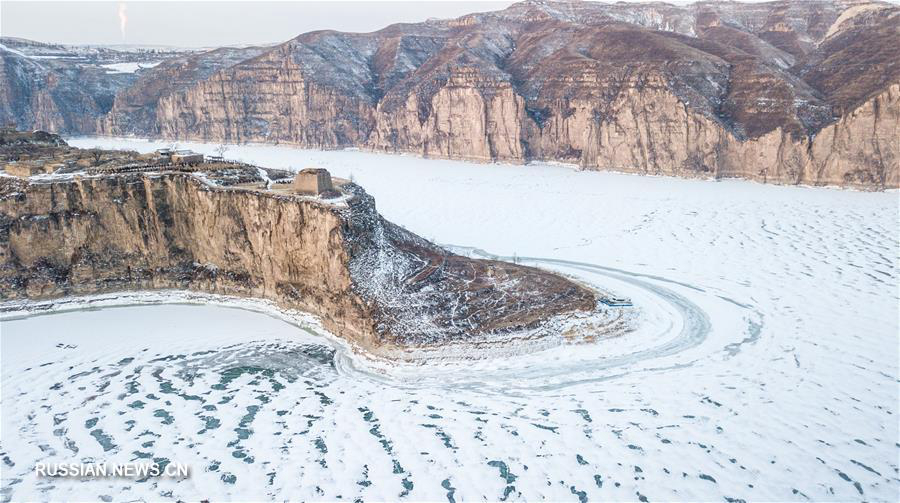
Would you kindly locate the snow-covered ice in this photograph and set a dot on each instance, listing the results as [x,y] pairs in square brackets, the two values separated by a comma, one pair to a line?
[766,369]
[129,67]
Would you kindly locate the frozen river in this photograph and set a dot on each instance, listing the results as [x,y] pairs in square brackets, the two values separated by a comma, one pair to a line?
[767,368]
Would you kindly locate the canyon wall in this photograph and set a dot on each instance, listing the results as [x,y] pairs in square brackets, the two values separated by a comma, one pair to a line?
[647,129]
[863,147]
[370,282]
[780,92]
[470,118]
[135,232]
[35,97]
[267,99]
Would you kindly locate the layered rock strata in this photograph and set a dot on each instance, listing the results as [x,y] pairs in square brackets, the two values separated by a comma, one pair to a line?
[781,92]
[370,281]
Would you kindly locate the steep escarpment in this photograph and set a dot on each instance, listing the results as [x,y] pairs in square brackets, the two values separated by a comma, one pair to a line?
[370,281]
[34,96]
[863,144]
[64,88]
[284,106]
[126,232]
[136,108]
[710,89]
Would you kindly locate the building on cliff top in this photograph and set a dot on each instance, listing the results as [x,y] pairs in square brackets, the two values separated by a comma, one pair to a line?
[313,181]
[186,157]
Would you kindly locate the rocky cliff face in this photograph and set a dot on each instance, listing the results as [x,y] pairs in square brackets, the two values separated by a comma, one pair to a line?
[139,107]
[284,106]
[32,96]
[370,281]
[779,92]
[63,88]
[862,147]
[128,232]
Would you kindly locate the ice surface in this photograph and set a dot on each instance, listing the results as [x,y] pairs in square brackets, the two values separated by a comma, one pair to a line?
[765,369]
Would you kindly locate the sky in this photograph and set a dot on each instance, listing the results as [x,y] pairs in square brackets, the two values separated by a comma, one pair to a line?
[212,23]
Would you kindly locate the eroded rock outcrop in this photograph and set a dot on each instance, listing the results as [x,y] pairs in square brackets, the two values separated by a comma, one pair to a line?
[285,107]
[219,230]
[862,148]
[34,96]
[470,117]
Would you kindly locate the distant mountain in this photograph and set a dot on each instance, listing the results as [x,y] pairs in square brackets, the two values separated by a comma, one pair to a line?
[784,92]
[65,88]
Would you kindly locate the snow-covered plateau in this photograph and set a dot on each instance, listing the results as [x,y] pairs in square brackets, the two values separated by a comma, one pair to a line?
[129,67]
[765,365]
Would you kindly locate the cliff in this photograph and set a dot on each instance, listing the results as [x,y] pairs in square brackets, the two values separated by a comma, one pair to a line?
[218,230]
[34,96]
[780,92]
[64,88]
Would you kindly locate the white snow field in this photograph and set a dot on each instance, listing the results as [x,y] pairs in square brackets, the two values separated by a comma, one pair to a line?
[766,367]
[130,67]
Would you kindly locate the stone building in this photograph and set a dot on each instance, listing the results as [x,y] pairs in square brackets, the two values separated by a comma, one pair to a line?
[312,181]
[186,157]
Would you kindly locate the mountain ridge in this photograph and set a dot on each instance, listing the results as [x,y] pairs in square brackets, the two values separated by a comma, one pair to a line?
[780,91]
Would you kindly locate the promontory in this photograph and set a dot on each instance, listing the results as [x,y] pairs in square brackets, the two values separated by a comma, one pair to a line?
[79,222]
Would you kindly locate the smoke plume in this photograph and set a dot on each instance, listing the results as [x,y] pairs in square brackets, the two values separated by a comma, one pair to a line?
[123,19]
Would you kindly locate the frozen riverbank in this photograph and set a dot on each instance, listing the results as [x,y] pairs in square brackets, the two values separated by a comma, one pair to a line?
[773,375]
